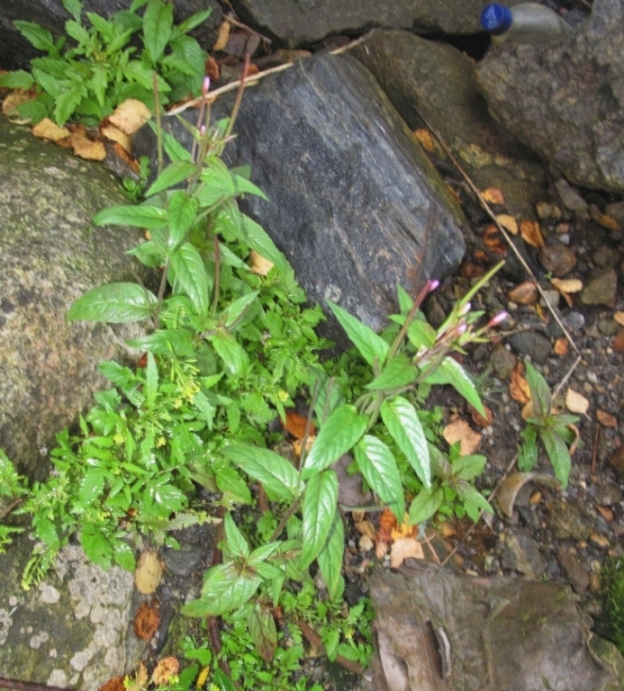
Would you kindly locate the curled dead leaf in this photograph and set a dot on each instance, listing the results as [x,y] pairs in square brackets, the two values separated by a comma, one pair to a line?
[114,684]
[47,129]
[460,431]
[84,147]
[561,346]
[577,438]
[426,140]
[296,424]
[524,293]
[212,69]
[130,116]
[567,285]
[576,403]
[381,549]
[493,195]
[606,419]
[166,668]
[618,341]
[527,411]
[146,621]
[404,530]
[258,264]
[510,487]
[607,221]
[479,420]
[405,548]
[223,35]
[494,241]
[116,135]
[148,572]
[15,99]
[509,223]
[531,233]
[365,527]
[518,385]
[619,317]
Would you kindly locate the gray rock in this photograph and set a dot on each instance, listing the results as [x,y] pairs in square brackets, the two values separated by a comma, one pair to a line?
[608,327]
[558,259]
[503,362]
[50,257]
[522,555]
[601,289]
[566,521]
[15,50]
[530,343]
[616,209]
[566,101]
[353,201]
[605,257]
[439,81]
[571,199]
[575,572]
[301,22]
[437,631]
[74,629]
[573,320]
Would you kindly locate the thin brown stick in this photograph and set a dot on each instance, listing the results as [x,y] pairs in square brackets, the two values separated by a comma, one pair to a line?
[28,686]
[562,383]
[315,639]
[502,230]
[452,553]
[595,450]
[239,25]
[7,510]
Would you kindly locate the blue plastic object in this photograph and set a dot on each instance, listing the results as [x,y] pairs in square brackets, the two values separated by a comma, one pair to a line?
[496,18]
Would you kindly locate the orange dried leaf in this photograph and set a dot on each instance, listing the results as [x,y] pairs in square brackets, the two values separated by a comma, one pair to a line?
[618,341]
[85,147]
[470,270]
[479,420]
[212,69]
[296,425]
[130,163]
[619,318]
[146,621]
[222,36]
[607,221]
[561,346]
[606,419]
[493,195]
[460,431]
[531,233]
[518,385]
[167,668]
[47,129]
[405,548]
[605,512]
[387,523]
[114,684]
[509,223]
[524,293]
[494,240]
[425,139]
[258,264]
[148,572]
[404,530]
[116,135]
[130,115]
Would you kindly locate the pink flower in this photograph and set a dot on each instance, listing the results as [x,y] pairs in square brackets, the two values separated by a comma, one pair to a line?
[206,85]
[498,319]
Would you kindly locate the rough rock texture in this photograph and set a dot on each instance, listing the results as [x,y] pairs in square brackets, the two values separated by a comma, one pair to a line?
[50,257]
[74,629]
[16,51]
[566,101]
[443,632]
[301,22]
[353,201]
[439,81]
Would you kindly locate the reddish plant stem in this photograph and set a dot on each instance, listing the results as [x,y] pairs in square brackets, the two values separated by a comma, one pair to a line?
[315,639]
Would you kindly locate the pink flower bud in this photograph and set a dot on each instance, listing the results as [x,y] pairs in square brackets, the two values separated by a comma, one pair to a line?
[206,85]
[434,284]
[465,309]
[202,130]
[460,329]
[498,319]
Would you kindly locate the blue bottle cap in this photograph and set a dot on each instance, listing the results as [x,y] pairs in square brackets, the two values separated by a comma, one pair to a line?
[496,18]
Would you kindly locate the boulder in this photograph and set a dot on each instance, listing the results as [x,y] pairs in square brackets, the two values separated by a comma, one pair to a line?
[353,201]
[301,22]
[50,257]
[439,81]
[438,631]
[74,630]
[566,101]
[16,51]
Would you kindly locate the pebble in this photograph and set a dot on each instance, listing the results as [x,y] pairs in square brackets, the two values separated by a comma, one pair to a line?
[594,583]
[530,343]
[601,289]
[607,494]
[558,259]
[502,362]
[599,540]
[570,198]
[365,544]
[552,298]
[605,257]
[562,229]
[616,209]
[522,555]
[591,376]
[566,522]
[608,326]
[574,571]
[573,321]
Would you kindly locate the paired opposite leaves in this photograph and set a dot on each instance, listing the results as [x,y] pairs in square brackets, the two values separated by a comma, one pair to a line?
[319,509]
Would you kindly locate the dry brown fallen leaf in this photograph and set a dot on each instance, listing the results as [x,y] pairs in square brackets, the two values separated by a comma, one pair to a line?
[524,293]
[606,419]
[365,527]
[460,431]
[508,222]
[212,69]
[114,684]
[618,341]
[531,233]
[561,346]
[387,523]
[567,285]
[527,410]
[619,317]
[576,403]
[166,668]
[405,548]
[518,385]
[478,419]
[48,129]
[146,621]
[116,135]
[148,572]
[297,424]
[404,530]
[493,195]
[381,548]
[494,241]
[15,99]
[365,544]
[130,116]
[222,36]
[426,140]
[605,512]
[577,439]
[607,221]
[84,147]
[258,264]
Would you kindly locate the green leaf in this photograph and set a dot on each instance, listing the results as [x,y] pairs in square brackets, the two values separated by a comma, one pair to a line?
[402,421]
[172,175]
[470,495]
[263,632]
[66,104]
[527,457]
[99,83]
[145,216]
[559,455]
[259,240]
[330,560]
[39,37]
[96,545]
[275,473]
[77,32]
[194,20]
[228,480]
[370,346]
[399,372]
[157,25]
[235,541]
[469,467]
[91,486]
[338,435]
[182,215]
[177,341]
[540,393]
[19,79]
[115,303]
[224,590]
[378,466]
[124,556]
[425,505]
[172,146]
[151,381]
[74,7]
[319,509]
[235,310]
[231,352]
[451,372]
[190,272]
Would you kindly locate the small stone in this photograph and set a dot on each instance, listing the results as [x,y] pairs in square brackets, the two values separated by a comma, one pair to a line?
[608,326]
[616,209]
[601,289]
[543,210]
[562,228]
[594,583]
[573,321]
[365,544]
[434,312]
[551,297]
[530,343]
[574,571]
[522,555]
[558,259]
[570,198]
[535,498]
[502,362]
[599,540]
[608,494]
[566,521]
[605,257]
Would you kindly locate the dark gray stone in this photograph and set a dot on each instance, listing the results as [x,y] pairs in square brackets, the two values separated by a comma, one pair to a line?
[558,259]
[438,81]
[601,289]
[530,343]
[522,555]
[566,521]
[301,22]
[16,51]
[575,572]
[566,101]
[50,257]
[503,362]
[353,202]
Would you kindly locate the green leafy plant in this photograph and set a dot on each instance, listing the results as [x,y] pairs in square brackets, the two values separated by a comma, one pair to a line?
[612,592]
[549,427]
[12,490]
[98,68]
